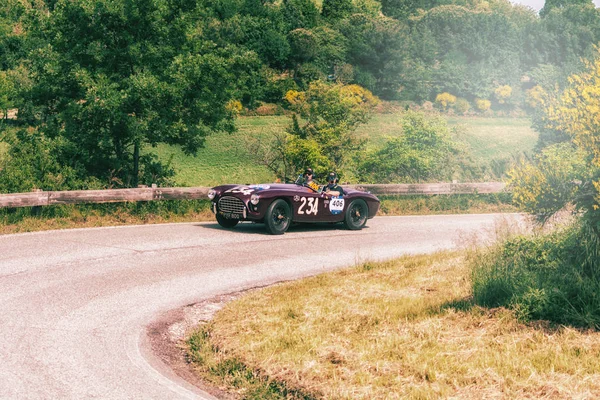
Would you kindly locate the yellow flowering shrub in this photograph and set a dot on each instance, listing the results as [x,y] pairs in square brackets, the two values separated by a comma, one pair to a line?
[578,114]
[445,100]
[536,97]
[503,93]
[483,105]
[295,97]
[234,106]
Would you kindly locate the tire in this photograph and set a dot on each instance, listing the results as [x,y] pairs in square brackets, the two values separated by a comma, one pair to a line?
[226,222]
[356,215]
[278,217]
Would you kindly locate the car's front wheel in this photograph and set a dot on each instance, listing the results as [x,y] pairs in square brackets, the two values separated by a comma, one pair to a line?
[226,222]
[357,214]
[278,217]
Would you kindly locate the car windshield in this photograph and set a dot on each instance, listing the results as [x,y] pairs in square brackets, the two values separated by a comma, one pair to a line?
[299,180]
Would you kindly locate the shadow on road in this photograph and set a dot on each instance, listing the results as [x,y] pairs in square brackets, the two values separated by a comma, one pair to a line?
[255,228]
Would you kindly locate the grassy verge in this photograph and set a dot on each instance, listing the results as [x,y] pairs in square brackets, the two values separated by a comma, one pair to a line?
[94,215]
[552,276]
[447,204]
[399,329]
[33,219]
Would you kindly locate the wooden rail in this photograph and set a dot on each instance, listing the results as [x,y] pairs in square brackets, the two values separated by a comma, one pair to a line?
[41,198]
[432,188]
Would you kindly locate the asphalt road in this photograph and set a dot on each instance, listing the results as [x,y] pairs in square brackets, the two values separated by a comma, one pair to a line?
[74,304]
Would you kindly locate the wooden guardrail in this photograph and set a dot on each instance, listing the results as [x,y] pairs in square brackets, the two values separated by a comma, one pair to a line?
[41,198]
[432,188]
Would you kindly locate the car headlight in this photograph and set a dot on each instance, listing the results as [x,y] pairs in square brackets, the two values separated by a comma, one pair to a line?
[254,199]
[212,193]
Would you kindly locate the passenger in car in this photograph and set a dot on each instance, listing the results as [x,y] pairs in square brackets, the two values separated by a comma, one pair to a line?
[308,179]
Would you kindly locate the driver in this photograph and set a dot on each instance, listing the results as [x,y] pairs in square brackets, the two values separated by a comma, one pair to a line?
[308,179]
[332,188]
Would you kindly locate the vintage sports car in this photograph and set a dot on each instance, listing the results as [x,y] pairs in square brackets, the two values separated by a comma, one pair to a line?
[278,205]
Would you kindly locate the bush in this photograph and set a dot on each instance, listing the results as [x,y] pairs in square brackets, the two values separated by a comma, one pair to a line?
[33,161]
[462,106]
[483,105]
[424,152]
[266,109]
[503,93]
[445,100]
[554,277]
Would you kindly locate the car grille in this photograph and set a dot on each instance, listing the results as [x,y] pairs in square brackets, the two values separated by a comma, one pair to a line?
[230,204]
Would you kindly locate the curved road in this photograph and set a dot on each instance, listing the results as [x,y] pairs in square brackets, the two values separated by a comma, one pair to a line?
[74,304]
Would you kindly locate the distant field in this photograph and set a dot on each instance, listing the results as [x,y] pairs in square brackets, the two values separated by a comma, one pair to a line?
[226,158]
[489,138]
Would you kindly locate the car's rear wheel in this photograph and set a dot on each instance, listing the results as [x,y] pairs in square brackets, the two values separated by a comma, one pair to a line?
[226,222]
[356,215]
[278,217]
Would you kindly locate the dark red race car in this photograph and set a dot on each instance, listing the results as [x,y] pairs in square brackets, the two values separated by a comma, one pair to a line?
[277,205]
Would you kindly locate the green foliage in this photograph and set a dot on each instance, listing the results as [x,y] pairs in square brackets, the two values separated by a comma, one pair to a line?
[554,277]
[377,48]
[7,93]
[300,14]
[33,161]
[549,5]
[462,106]
[425,151]
[115,77]
[337,9]
[322,131]
[551,181]
[558,177]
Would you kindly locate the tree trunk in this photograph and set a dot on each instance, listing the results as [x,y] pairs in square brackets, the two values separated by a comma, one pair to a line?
[136,164]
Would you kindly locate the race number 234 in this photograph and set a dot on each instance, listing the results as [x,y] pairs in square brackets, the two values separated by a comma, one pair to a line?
[308,206]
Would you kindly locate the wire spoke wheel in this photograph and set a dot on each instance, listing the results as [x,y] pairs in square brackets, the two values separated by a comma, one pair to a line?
[357,214]
[279,217]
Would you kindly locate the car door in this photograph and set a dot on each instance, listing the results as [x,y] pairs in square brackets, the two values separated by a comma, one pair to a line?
[308,206]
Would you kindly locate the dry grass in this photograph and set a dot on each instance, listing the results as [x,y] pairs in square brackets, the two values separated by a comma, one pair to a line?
[401,329]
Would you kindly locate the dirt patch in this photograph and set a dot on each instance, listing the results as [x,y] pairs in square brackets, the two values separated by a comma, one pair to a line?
[167,336]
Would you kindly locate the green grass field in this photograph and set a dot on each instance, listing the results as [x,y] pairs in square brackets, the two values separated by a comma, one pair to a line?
[228,159]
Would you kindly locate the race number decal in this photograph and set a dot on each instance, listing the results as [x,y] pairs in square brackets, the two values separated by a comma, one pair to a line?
[313,186]
[246,191]
[311,204]
[336,205]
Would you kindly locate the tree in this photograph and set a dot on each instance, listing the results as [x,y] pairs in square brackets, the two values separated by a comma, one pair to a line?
[377,48]
[549,5]
[300,14]
[337,9]
[321,133]
[118,76]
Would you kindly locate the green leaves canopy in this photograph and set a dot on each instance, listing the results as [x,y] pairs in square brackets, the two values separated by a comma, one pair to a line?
[116,76]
